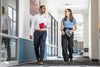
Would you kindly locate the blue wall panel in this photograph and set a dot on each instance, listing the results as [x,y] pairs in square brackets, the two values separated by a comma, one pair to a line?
[29,50]
[21,50]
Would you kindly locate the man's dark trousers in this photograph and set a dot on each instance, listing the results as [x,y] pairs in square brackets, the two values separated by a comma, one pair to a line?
[39,44]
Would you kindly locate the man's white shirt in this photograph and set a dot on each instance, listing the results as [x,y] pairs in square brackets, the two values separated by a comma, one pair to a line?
[37,19]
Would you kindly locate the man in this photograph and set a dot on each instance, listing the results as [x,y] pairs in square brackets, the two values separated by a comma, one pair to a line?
[39,27]
[6,29]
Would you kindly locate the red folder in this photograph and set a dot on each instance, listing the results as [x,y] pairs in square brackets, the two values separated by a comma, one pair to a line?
[41,25]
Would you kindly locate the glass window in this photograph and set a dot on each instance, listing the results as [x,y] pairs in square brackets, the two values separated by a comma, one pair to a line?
[8,49]
[12,14]
[53,49]
[8,43]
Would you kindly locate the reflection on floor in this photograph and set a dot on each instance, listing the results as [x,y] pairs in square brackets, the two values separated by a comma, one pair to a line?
[78,61]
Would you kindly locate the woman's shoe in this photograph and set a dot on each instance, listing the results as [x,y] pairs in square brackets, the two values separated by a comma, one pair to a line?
[68,62]
[71,60]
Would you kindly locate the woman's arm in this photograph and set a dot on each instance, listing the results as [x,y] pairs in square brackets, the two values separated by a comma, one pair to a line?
[75,27]
[61,27]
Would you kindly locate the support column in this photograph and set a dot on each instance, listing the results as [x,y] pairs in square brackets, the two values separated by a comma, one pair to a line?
[99,26]
[93,31]
[86,36]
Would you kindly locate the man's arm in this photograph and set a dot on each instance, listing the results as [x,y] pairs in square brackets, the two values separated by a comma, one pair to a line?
[48,24]
[32,27]
[61,29]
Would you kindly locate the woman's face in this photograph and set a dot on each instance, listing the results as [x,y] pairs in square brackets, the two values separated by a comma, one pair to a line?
[67,13]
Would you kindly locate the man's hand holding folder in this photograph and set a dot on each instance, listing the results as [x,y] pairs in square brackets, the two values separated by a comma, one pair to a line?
[42,25]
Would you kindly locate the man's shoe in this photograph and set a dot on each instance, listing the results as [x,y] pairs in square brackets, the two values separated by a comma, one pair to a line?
[40,63]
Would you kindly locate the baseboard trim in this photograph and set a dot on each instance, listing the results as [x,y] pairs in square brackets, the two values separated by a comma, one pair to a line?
[86,56]
[25,61]
[59,56]
[95,60]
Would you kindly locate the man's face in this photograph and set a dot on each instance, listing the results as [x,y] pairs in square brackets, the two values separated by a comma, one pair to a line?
[42,10]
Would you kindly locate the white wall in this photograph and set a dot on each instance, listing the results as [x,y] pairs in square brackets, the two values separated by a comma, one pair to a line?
[24,18]
[21,18]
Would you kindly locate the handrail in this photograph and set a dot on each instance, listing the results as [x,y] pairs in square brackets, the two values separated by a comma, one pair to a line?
[9,36]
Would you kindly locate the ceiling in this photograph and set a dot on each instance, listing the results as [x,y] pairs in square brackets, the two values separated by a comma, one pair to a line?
[78,6]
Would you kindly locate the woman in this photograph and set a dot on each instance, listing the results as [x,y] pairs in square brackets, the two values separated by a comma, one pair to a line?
[68,23]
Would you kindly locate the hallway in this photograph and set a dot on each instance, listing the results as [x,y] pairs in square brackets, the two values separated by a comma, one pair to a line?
[17,49]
